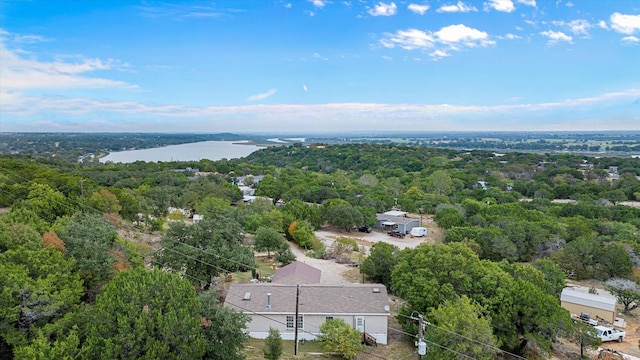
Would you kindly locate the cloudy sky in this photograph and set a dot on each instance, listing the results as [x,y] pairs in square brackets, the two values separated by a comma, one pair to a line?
[319,65]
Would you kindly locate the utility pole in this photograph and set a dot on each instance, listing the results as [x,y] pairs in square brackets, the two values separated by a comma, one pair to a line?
[421,344]
[420,324]
[295,336]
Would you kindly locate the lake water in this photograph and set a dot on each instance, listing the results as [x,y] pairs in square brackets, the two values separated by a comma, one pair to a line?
[212,150]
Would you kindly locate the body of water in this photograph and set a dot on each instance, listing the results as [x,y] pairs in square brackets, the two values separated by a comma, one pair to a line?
[212,150]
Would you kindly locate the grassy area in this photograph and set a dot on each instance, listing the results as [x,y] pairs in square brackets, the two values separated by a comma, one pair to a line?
[402,348]
[264,268]
[306,350]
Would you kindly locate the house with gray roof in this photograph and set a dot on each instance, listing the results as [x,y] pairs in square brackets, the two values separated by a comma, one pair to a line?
[297,273]
[364,306]
[401,224]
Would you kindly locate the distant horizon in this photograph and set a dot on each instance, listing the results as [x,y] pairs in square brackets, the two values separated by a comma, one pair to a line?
[319,66]
[327,132]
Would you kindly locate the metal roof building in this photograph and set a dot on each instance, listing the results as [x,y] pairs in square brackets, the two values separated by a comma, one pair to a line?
[578,300]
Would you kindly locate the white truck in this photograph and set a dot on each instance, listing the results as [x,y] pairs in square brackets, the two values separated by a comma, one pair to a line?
[610,334]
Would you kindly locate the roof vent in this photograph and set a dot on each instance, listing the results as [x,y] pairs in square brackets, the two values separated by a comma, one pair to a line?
[247,296]
[376,290]
[268,300]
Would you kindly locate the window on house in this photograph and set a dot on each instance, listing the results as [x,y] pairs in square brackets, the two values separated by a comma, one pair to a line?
[290,322]
[328,318]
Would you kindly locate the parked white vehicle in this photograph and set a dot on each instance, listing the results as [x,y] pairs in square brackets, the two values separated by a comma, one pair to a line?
[610,334]
[419,231]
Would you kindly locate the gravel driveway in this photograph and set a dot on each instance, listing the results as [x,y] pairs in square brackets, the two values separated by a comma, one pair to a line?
[331,271]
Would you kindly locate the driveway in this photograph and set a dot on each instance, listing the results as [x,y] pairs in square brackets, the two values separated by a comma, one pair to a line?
[330,270]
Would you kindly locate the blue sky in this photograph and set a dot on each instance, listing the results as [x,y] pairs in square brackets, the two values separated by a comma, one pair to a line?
[319,66]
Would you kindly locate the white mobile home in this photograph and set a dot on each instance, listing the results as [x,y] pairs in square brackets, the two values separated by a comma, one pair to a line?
[363,306]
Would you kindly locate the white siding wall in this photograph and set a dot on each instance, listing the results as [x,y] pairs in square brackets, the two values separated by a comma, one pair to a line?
[258,327]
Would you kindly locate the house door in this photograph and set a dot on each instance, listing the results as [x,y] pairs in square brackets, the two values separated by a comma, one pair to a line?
[360,323]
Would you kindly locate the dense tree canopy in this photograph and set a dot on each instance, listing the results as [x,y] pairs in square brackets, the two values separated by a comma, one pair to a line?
[144,314]
[38,286]
[205,249]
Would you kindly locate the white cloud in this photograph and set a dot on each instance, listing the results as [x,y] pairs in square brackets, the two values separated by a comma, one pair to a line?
[556,36]
[382,9]
[442,42]
[458,7]
[603,25]
[462,34]
[318,3]
[511,36]
[410,39]
[625,24]
[288,5]
[304,87]
[527,2]
[569,4]
[262,96]
[182,11]
[500,5]
[578,26]
[418,9]
[318,56]
[631,39]
[439,54]
[18,73]
[90,114]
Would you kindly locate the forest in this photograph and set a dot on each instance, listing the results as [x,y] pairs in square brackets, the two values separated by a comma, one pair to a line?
[78,281]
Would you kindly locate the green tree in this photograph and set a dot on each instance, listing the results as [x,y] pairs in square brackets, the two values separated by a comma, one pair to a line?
[144,314]
[36,288]
[268,239]
[553,274]
[40,348]
[272,345]
[338,337]
[211,206]
[584,335]
[222,329]
[284,255]
[429,275]
[615,261]
[104,200]
[463,317]
[379,264]
[440,183]
[205,249]
[301,211]
[271,187]
[448,217]
[627,292]
[17,236]
[344,216]
[88,239]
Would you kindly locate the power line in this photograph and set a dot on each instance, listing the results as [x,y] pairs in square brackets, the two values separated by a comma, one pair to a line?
[431,342]
[470,339]
[265,316]
[238,263]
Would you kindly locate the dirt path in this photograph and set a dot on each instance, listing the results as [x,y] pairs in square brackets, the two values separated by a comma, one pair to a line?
[331,272]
